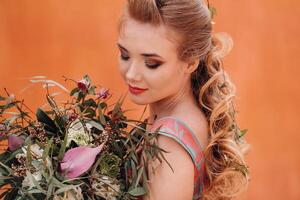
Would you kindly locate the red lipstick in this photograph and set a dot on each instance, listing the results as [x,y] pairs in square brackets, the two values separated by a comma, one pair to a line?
[136,90]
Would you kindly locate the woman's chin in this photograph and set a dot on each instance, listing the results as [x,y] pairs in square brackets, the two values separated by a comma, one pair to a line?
[139,100]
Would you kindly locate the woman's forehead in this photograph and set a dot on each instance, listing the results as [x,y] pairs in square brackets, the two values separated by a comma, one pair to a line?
[147,37]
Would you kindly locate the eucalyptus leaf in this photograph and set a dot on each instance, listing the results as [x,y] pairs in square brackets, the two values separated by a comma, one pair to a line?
[96,125]
[35,182]
[137,191]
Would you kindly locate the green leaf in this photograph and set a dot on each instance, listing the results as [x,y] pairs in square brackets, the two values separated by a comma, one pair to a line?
[7,156]
[92,90]
[87,77]
[96,125]
[102,105]
[45,119]
[28,154]
[162,154]
[80,96]
[90,102]
[145,178]
[6,167]
[46,151]
[137,191]
[35,182]
[10,105]
[90,113]
[140,172]
[101,116]
[133,167]
[63,147]
[74,91]
[2,98]
[50,191]
[243,132]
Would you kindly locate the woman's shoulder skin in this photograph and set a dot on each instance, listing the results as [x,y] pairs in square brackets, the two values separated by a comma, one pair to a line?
[164,184]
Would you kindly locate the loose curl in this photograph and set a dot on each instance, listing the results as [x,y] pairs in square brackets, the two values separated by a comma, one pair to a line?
[226,171]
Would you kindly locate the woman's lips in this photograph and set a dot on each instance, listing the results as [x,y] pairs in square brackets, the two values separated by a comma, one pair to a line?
[135,90]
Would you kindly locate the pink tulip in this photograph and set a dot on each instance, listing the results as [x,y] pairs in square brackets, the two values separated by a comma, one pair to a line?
[14,142]
[78,160]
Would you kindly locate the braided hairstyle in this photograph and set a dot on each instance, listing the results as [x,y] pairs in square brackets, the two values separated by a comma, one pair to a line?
[226,169]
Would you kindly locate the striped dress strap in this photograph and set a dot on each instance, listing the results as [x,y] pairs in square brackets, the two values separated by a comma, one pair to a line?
[178,130]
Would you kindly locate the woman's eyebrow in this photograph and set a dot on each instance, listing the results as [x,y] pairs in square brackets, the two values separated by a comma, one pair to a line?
[151,55]
[143,54]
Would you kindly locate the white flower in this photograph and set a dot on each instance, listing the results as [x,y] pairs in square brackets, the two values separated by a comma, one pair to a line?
[79,134]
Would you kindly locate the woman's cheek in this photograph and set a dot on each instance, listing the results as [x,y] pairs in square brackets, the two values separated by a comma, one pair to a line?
[122,68]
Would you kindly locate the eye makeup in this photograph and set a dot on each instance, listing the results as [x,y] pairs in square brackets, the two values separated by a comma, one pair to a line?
[150,63]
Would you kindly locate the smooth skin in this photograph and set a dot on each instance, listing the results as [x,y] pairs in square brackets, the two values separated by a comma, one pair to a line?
[149,60]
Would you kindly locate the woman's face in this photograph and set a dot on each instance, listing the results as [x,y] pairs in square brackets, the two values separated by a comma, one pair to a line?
[148,60]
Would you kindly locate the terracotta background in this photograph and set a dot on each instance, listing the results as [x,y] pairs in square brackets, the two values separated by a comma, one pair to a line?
[72,38]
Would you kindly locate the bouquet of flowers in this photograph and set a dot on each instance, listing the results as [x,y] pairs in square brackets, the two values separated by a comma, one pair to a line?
[82,148]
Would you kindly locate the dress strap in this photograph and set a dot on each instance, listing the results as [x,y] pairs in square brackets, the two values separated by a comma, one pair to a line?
[186,126]
[178,130]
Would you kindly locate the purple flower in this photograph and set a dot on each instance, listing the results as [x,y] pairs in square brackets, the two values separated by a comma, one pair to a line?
[14,142]
[78,160]
[83,85]
[103,93]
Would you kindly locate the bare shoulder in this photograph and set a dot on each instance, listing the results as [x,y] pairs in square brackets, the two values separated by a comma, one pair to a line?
[168,184]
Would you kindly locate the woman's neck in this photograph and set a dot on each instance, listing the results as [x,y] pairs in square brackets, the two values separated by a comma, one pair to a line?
[171,105]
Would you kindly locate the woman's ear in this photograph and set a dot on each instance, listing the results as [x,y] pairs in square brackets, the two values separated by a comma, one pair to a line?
[192,66]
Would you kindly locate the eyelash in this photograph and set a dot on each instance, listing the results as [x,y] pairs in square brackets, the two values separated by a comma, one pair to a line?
[149,66]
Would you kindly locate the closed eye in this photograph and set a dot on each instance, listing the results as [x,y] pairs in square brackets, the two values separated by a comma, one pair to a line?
[151,64]
[123,57]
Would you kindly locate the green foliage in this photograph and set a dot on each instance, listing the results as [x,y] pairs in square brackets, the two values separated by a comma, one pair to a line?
[33,170]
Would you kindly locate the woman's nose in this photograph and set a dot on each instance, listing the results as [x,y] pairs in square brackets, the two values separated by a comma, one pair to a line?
[133,74]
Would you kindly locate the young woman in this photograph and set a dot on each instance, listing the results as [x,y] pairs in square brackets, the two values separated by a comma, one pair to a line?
[171,61]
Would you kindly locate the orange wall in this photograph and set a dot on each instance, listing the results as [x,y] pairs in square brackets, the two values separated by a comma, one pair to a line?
[72,38]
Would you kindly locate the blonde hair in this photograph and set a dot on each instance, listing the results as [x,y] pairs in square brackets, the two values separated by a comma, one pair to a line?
[226,170]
